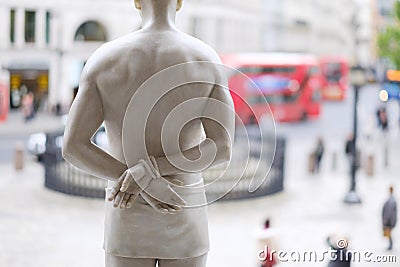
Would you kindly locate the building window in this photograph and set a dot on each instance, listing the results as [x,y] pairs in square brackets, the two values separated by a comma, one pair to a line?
[47,27]
[12,26]
[30,17]
[91,31]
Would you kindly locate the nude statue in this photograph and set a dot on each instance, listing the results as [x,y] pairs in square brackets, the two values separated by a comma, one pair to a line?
[153,215]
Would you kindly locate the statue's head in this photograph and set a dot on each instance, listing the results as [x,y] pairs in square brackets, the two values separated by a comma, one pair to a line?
[138,4]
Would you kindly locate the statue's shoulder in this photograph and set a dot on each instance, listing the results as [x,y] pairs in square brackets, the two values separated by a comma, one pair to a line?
[200,49]
[111,53]
[114,48]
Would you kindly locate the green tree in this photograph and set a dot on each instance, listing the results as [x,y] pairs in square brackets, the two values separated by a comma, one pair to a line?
[389,40]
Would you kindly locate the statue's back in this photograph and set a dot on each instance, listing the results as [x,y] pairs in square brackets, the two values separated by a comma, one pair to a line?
[136,58]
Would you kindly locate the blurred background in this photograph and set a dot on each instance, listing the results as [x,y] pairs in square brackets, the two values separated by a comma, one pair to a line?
[329,71]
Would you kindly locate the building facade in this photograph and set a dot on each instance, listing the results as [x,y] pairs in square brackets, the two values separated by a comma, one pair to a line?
[342,27]
[315,26]
[227,25]
[44,44]
[367,26]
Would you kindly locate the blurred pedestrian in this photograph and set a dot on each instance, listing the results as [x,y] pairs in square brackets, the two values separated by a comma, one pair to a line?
[383,124]
[351,153]
[28,108]
[349,147]
[339,256]
[267,245]
[382,118]
[318,153]
[389,217]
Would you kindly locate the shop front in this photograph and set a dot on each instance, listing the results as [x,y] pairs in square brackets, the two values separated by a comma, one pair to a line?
[26,81]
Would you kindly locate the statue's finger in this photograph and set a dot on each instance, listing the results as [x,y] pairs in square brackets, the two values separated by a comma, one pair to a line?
[113,193]
[174,208]
[126,182]
[160,208]
[171,209]
[177,182]
[124,201]
[118,199]
[116,188]
[131,200]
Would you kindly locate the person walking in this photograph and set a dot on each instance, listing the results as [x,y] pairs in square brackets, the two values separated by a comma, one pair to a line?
[28,108]
[382,117]
[389,217]
[351,152]
[319,152]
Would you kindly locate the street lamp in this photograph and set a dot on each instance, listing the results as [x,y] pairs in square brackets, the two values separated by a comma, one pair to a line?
[358,79]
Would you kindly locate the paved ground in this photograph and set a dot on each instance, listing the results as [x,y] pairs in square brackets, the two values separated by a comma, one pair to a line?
[41,228]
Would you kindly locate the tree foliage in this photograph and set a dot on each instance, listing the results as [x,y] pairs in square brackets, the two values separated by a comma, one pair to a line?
[389,39]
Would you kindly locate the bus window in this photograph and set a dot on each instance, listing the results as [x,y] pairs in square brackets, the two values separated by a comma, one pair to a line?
[267,70]
[313,70]
[333,72]
[273,99]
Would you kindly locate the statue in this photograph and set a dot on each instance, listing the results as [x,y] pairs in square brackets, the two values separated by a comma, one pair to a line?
[156,206]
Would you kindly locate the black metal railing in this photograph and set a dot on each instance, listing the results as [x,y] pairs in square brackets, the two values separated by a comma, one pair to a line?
[266,167]
[63,177]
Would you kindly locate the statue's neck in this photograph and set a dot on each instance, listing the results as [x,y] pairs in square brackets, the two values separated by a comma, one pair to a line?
[158,19]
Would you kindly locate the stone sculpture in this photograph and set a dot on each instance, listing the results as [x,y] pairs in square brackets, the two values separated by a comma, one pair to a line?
[156,206]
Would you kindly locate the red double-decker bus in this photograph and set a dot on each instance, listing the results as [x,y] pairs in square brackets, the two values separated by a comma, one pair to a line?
[288,83]
[335,82]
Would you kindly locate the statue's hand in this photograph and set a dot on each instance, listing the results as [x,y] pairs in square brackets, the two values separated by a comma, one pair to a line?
[143,178]
[162,197]
[160,206]
[126,190]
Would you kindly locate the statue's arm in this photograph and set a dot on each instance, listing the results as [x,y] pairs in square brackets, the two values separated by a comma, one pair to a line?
[85,117]
[217,146]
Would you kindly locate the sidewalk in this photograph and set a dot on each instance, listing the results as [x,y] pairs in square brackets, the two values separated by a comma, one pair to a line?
[16,126]
[41,228]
